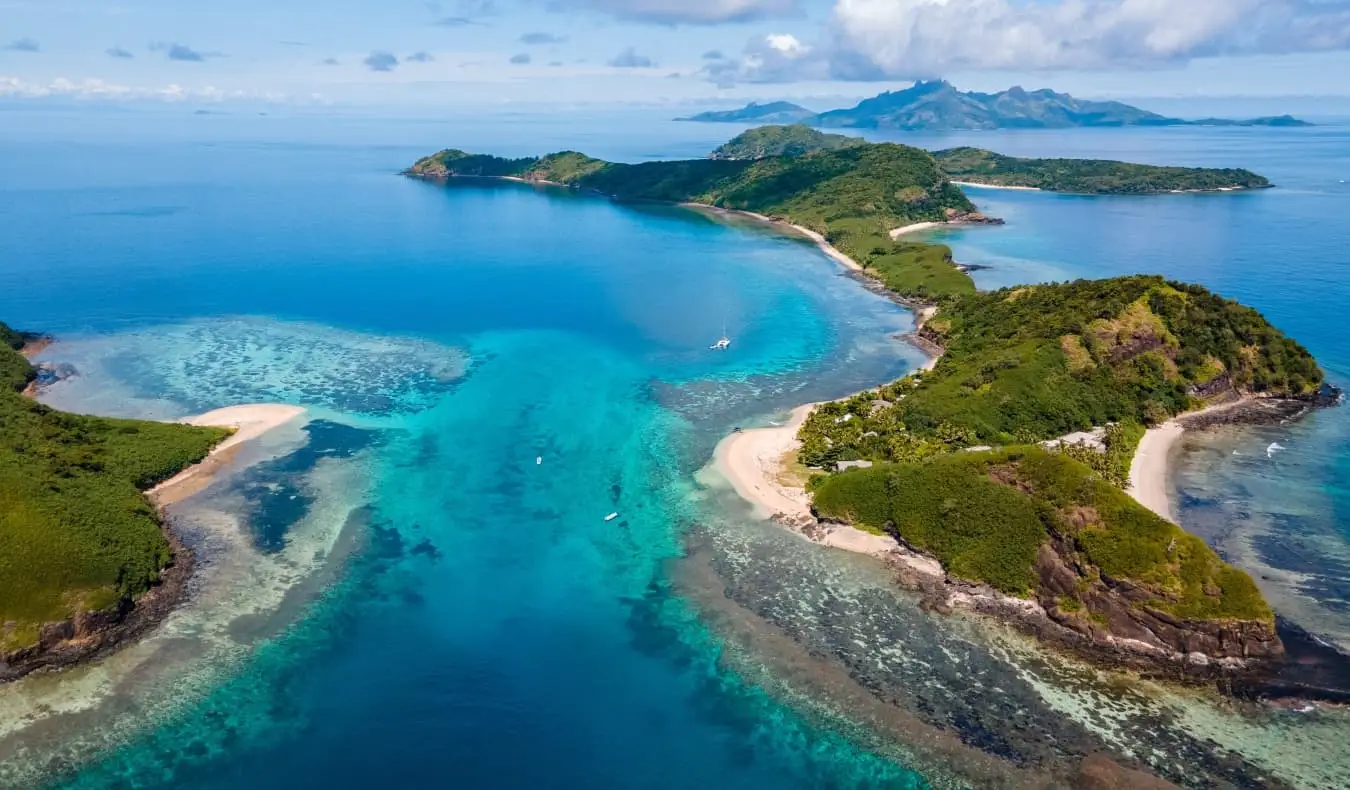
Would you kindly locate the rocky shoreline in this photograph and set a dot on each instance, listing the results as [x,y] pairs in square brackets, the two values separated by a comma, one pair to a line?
[92,635]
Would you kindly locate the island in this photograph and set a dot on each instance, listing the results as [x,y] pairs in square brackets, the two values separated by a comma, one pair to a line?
[772,112]
[996,479]
[86,562]
[937,105]
[848,200]
[978,167]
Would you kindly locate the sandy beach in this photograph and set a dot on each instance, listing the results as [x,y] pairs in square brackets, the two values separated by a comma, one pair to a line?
[753,462]
[250,421]
[1149,479]
[915,228]
[995,186]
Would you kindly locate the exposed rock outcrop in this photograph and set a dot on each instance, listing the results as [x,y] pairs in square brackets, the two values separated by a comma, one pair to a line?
[90,635]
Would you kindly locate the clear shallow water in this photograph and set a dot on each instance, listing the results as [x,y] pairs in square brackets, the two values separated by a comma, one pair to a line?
[421,600]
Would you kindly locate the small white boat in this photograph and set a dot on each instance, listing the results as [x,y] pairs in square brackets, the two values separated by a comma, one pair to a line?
[538,460]
[611,516]
[721,345]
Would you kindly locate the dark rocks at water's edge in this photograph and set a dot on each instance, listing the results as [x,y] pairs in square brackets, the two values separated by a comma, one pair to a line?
[92,635]
[1113,629]
[954,217]
[1312,670]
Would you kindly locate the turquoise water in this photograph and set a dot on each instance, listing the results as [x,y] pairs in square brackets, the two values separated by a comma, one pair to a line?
[419,586]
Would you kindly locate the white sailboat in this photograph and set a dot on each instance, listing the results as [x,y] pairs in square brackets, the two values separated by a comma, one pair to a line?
[724,343]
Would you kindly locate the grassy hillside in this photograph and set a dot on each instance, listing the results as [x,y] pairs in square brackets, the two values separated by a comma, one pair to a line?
[1088,176]
[853,196]
[985,515]
[1033,363]
[795,140]
[76,534]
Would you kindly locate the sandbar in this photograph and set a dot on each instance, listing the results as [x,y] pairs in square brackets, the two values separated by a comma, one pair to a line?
[753,462]
[249,422]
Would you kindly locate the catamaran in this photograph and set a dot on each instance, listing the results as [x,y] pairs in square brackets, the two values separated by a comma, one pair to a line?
[724,343]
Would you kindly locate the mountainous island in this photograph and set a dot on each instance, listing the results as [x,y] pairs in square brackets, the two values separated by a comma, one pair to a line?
[958,465]
[981,167]
[83,555]
[772,112]
[937,105]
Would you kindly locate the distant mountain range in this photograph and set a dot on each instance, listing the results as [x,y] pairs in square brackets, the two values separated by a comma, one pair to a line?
[938,106]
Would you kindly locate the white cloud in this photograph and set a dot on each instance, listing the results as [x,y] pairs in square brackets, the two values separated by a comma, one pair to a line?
[777,57]
[903,39]
[688,12]
[92,88]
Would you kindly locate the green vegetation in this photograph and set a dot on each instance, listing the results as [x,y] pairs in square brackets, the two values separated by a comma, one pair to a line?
[76,533]
[1088,176]
[853,196]
[795,140]
[1033,363]
[985,515]
[1112,463]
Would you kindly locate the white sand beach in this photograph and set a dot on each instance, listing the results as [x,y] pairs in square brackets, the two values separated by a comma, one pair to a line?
[1148,470]
[250,421]
[915,228]
[753,462]
[1149,479]
[995,186]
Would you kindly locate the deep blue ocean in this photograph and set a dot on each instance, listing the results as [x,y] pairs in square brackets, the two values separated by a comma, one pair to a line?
[419,588]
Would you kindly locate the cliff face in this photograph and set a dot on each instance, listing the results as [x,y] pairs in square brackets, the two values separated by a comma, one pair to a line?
[1115,615]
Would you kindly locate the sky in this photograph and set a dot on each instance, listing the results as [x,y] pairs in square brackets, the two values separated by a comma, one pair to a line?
[678,52]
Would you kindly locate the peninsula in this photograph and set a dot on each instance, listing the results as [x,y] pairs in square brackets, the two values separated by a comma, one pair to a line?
[85,560]
[847,199]
[962,473]
[937,105]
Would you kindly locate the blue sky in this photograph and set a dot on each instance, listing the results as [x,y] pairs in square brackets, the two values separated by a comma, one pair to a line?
[466,52]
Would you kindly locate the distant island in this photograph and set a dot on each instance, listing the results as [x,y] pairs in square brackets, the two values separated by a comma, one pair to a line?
[1090,176]
[996,480]
[773,112]
[976,166]
[938,106]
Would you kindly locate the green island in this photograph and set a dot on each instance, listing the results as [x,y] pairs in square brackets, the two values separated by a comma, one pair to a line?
[852,196]
[957,462]
[954,468]
[976,165]
[77,534]
[1090,176]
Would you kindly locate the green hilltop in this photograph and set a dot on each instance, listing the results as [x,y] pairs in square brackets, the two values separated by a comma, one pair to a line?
[795,140]
[76,533]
